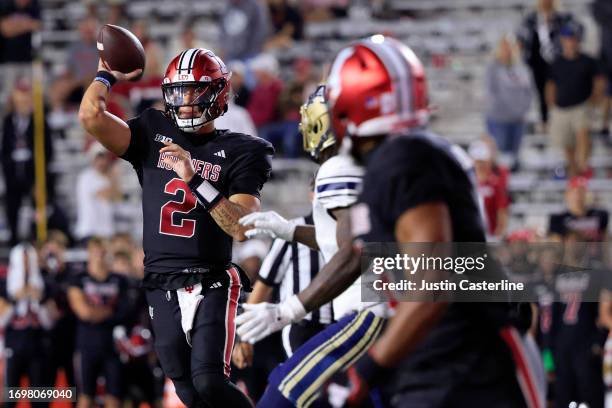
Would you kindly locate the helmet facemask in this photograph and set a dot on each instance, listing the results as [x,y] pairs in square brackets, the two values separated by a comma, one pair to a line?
[192,104]
[314,124]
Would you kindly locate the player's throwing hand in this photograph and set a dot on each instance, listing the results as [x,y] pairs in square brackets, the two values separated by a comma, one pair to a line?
[120,76]
[179,159]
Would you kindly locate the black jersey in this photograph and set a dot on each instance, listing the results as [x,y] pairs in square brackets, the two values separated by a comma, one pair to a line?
[179,234]
[110,292]
[408,171]
[575,316]
[403,173]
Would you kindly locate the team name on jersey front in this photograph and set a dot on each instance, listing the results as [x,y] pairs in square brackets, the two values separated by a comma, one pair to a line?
[207,170]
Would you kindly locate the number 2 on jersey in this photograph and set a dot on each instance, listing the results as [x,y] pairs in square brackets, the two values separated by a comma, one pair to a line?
[186,226]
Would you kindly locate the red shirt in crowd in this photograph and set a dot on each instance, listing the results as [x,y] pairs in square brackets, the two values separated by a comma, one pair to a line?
[264,102]
[494,192]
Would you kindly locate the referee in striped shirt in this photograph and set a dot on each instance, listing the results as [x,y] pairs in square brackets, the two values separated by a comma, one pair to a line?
[289,266]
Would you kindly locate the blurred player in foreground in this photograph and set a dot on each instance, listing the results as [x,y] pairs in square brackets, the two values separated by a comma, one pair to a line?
[197,182]
[337,185]
[417,188]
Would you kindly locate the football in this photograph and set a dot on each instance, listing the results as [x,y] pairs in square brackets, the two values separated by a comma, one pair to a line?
[120,50]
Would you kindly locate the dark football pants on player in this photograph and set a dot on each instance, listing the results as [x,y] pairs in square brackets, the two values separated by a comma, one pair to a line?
[578,375]
[26,353]
[93,363]
[200,372]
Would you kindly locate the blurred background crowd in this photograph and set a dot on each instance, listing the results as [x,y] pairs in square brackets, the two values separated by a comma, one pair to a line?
[523,85]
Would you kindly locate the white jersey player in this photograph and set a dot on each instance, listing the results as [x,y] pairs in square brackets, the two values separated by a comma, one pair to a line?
[337,188]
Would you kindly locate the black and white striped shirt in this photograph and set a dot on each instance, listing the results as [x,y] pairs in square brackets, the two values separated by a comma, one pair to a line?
[291,266]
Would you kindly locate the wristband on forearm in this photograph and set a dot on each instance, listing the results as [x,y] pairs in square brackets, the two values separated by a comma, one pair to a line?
[106,78]
[206,194]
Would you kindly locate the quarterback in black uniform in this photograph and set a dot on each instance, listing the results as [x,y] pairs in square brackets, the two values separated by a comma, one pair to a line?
[417,188]
[197,182]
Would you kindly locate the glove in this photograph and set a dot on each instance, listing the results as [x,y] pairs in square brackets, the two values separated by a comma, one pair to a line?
[261,319]
[268,223]
[364,375]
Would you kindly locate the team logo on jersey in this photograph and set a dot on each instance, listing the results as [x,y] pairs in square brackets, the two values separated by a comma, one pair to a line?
[207,170]
[162,139]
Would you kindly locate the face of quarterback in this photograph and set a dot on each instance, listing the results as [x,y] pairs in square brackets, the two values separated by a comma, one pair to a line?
[190,94]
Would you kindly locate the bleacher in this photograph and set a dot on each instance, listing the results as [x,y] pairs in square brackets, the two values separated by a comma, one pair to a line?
[453,38]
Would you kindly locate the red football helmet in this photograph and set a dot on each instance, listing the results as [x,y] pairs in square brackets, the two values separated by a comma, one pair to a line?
[196,88]
[376,87]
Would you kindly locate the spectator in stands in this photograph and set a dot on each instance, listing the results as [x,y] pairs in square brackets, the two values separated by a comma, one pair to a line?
[274,107]
[58,274]
[153,52]
[244,28]
[98,300]
[81,67]
[185,40]
[96,190]
[575,84]
[241,93]
[237,119]
[491,187]
[287,24]
[590,224]
[145,92]
[117,14]
[19,19]
[33,313]
[133,336]
[508,90]
[498,169]
[602,12]
[539,39]
[263,102]
[320,10]
[18,154]
[581,319]
[121,241]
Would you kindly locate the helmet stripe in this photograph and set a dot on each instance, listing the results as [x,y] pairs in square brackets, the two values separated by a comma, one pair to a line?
[186,58]
[399,76]
[193,55]
[180,60]
[407,91]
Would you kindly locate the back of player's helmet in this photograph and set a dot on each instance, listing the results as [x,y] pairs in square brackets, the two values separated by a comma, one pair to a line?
[376,87]
[196,88]
[315,124]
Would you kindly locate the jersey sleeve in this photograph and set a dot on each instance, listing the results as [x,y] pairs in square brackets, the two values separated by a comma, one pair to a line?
[139,142]
[273,267]
[251,170]
[338,183]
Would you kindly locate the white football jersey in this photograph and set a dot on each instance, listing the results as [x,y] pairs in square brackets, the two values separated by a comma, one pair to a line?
[337,185]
